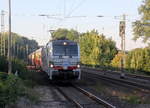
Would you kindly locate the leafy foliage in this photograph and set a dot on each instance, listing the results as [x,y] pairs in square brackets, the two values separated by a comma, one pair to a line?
[3,76]
[141,27]
[66,34]
[21,46]
[12,87]
[10,90]
[139,59]
[96,49]
[116,62]
[19,66]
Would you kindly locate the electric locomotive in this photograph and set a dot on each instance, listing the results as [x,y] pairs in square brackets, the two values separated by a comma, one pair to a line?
[60,59]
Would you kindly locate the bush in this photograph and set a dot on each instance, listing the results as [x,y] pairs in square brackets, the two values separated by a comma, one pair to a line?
[18,65]
[10,90]
[3,101]
[3,76]
[13,87]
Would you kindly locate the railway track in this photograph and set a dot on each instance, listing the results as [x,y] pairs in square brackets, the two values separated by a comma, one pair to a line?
[141,86]
[116,82]
[82,98]
[139,78]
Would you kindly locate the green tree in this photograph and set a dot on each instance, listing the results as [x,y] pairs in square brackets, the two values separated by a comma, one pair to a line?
[116,62]
[96,49]
[21,46]
[141,27]
[139,59]
[66,34]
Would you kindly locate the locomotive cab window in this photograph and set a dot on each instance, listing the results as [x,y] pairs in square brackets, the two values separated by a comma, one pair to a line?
[65,50]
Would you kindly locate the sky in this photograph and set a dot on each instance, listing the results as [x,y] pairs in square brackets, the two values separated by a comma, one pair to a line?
[82,16]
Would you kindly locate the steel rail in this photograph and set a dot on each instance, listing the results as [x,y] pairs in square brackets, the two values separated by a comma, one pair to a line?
[70,99]
[117,82]
[118,73]
[140,86]
[95,98]
[134,83]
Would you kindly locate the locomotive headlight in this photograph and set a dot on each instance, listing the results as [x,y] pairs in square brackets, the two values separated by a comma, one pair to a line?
[51,65]
[65,43]
[78,66]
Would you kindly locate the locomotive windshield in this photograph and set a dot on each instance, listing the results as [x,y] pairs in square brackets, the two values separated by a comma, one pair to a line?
[65,50]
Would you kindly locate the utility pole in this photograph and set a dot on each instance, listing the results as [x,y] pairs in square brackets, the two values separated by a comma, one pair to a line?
[2,39]
[122,28]
[9,42]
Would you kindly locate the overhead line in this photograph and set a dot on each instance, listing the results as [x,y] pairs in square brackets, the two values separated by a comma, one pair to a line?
[76,7]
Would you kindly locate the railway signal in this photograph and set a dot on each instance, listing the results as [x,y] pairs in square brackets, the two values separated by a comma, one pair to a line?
[122,28]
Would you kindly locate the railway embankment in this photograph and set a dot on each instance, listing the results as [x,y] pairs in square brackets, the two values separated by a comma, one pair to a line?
[116,93]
